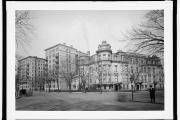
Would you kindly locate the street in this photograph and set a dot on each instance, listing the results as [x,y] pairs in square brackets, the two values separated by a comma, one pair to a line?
[90,101]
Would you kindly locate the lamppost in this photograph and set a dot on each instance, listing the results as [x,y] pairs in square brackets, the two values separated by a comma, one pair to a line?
[100,81]
[132,81]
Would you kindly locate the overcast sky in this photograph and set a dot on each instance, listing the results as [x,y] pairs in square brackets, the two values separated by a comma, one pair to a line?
[85,30]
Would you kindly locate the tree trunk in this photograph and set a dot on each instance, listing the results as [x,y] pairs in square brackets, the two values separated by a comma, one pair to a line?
[57,84]
[101,88]
[132,93]
[84,88]
[49,88]
[70,87]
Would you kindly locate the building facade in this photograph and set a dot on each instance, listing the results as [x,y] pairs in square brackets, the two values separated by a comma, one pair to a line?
[121,70]
[69,68]
[62,62]
[32,73]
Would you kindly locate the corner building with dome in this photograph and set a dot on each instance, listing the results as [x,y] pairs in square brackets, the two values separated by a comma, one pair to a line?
[121,70]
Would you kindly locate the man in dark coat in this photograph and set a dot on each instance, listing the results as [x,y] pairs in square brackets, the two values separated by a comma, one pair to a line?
[152,94]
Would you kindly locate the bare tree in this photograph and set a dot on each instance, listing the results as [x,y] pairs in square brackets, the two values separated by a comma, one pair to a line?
[84,76]
[41,80]
[68,73]
[134,77]
[98,71]
[24,29]
[48,82]
[149,36]
[52,77]
[55,76]
[158,76]
[49,79]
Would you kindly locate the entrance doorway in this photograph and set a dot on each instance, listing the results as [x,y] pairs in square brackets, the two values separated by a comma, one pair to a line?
[138,87]
[116,87]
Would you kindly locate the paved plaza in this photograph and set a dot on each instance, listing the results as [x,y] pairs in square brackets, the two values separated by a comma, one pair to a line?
[90,101]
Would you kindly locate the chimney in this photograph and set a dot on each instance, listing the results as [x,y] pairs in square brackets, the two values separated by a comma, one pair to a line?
[88,52]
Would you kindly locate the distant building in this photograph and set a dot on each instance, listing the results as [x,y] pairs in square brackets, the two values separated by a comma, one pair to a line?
[32,73]
[121,70]
[62,61]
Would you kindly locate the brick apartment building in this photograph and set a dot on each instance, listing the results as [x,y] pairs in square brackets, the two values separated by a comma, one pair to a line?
[32,72]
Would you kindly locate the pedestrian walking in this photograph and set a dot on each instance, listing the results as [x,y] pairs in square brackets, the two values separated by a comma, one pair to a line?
[152,94]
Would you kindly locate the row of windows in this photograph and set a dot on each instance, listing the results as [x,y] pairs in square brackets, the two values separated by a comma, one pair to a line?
[146,69]
[130,59]
[128,75]
[116,79]
[66,59]
[32,69]
[33,75]
[33,62]
[104,55]
[53,55]
[32,66]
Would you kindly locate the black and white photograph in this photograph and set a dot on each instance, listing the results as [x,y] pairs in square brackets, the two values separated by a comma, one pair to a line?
[90,60]
[81,57]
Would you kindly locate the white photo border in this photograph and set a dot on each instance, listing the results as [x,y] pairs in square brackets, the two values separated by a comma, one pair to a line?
[167,113]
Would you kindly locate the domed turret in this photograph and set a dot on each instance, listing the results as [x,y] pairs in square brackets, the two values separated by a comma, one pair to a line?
[104,46]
